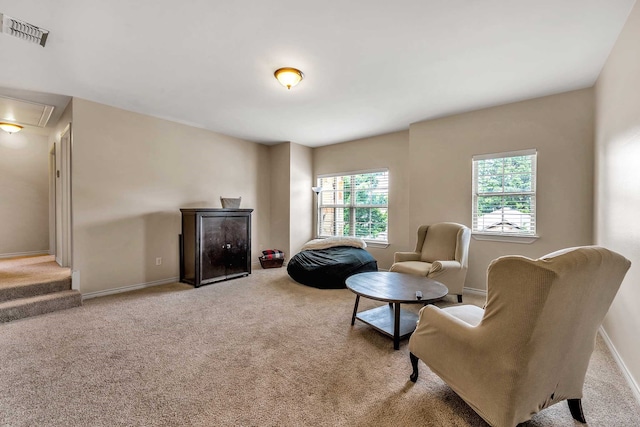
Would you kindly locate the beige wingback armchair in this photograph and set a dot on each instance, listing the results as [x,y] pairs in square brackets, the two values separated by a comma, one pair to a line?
[442,254]
[530,347]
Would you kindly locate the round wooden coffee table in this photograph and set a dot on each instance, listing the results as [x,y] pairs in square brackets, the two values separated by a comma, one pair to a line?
[396,289]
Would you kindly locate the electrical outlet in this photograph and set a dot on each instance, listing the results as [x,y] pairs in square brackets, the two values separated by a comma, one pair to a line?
[158,261]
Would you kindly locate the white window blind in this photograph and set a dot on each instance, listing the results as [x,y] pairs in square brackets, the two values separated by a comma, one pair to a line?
[504,193]
[354,204]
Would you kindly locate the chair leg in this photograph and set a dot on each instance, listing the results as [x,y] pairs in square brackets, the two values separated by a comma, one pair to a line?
[575,406]
[459,298]
[414,365]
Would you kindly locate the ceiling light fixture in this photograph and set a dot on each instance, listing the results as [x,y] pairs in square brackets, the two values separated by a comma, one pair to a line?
[288,77]
[10,127]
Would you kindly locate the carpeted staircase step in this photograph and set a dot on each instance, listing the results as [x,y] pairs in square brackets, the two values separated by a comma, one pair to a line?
[25,290]
[35,305]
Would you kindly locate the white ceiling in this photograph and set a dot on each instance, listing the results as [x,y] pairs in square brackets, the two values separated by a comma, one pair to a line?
[371,66]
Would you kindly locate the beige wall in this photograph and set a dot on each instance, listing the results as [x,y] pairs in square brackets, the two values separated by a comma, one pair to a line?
[430,173]
[560,127]
[24,193]
[301,196]
[291,197]
[384,151]
[280,197]
[131,175]
[618,185]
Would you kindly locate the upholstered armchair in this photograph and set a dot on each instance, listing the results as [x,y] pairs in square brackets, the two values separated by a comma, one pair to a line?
[442,254]
[530,347]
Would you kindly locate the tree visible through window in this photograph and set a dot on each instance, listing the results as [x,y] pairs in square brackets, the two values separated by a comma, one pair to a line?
[355,205]
[504,193]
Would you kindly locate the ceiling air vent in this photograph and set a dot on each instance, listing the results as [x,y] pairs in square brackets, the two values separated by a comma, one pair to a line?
[23,30]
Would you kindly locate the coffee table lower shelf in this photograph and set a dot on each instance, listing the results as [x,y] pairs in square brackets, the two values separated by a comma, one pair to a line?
[382,319]
[394,289]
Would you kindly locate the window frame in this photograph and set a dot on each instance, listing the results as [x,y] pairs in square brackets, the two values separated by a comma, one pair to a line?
[515,237]
[352,206]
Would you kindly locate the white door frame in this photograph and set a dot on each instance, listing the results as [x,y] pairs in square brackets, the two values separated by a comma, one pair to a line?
[52,200]
[62,212]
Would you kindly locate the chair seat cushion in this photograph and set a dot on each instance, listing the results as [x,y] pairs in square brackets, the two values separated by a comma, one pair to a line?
[417,268]
[470,314]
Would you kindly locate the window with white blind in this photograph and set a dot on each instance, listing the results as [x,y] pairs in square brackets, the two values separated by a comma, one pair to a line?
[504,194]
[354,204]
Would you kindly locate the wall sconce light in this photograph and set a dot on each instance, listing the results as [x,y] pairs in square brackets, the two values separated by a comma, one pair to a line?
[316,190]
[288,77]
[10,127]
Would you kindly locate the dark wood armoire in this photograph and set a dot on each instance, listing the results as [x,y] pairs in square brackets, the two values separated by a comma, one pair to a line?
[215,245]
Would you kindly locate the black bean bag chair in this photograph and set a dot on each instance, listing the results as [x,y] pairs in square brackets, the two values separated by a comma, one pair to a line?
[328,268]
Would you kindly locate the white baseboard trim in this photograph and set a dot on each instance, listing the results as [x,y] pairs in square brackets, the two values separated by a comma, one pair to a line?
[75,280]
[30,253]
[475,291]
[106,292]
[625,372]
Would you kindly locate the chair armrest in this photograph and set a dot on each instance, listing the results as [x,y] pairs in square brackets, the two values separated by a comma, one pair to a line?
[438,319]
[445,265]
[406,256]
[452,348]
[450,273]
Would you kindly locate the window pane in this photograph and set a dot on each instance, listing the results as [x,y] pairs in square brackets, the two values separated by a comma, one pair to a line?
[327,183]
[517,164]
[379,223]
[363,197]
[517,182]
[328,197]
[518,203]
[488,204]
[379,197]
[490,184]
[344,183]
[371,223]
[363,223]
[490,166]
[332,221]
[505,214]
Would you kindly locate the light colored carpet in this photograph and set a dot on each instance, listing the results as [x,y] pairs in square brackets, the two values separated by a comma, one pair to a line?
[257,351]
[31,269]
[33,285]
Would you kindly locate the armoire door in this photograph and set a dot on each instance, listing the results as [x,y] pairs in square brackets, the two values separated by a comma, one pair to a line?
[236,240]
[213,244]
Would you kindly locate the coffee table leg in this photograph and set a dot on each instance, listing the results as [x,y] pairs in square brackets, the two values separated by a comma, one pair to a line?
[396,326]
[355,310]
